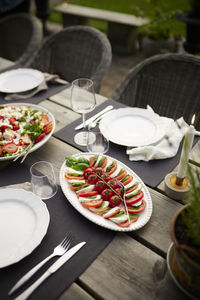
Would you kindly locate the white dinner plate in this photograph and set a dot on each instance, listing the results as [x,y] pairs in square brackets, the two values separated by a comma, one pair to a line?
[97,219]
[132,126]
[42,142]
[20,80]
[24,220]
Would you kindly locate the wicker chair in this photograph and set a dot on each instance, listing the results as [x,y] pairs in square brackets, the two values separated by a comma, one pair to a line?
[75,52]
[20,35]
[169,83]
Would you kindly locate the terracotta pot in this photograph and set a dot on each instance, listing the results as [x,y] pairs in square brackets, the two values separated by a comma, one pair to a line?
[185,269]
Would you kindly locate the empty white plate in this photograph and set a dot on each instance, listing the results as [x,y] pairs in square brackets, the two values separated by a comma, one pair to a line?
[132,126]
[24,220]
[20,80]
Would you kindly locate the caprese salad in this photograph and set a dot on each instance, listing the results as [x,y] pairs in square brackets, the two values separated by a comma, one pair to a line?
[20,126]
[95,180]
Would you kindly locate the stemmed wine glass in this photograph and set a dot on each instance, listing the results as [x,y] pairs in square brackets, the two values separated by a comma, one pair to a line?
[82,101]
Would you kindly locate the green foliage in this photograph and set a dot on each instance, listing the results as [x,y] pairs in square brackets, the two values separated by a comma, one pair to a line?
[192,216]
[161,20]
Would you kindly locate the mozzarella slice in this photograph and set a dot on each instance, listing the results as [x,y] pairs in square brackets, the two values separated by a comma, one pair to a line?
[84,199]
[86,189]
[72,171]
[120,219]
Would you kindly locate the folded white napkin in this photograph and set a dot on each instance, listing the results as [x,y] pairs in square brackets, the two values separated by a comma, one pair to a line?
[167,146]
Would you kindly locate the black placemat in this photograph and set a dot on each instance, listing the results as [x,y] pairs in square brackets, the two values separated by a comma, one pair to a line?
[63,218]
[152,172]
[42,95]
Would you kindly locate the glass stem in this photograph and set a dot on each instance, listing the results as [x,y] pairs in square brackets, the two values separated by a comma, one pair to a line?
[83,117]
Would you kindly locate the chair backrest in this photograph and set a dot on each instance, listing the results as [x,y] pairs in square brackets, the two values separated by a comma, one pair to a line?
[20,36]
[75,52]
[169,83]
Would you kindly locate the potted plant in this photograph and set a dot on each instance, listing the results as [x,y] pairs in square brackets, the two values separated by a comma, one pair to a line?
[156,35]
[184,258]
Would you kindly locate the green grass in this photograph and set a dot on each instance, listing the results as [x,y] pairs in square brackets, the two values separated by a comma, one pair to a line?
[132,7]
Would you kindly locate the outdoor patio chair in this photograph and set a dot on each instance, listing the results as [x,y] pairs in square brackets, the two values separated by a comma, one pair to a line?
[169,83]
[20,36]
[75,52]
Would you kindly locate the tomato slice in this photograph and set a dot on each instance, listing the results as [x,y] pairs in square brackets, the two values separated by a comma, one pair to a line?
[112,212]
[121,175]
[92,203]
[139,209]
[44,120]
[104,163]
[88,194]
[128,180]
[126,223]
[114,168]
[91,162]
[135,198]
[131,189]
[48,127]
[10,147]
[70,177]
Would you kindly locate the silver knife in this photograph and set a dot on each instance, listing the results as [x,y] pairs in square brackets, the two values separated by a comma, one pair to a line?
[63,259]
[87,122]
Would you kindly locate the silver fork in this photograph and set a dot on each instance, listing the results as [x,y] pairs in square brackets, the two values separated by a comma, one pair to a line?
[58,251]
[125,206]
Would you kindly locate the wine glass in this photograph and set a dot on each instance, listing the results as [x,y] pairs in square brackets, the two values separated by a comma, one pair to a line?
[82,101]
[96,141]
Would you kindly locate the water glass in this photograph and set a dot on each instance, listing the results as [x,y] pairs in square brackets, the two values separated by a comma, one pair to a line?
[96,141]
[43,180]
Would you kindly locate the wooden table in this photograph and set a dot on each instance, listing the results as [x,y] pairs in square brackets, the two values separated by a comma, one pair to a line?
[133,266]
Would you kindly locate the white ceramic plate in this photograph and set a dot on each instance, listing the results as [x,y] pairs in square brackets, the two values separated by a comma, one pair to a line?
[72,198]
[132,126]
[20,80]
[38,145]
[24,221]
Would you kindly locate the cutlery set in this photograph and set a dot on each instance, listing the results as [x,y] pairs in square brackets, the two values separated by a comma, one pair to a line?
[62,251]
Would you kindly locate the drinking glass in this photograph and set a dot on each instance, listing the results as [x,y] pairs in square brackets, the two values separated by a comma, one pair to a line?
[82,101]
[96,141]
[43,180]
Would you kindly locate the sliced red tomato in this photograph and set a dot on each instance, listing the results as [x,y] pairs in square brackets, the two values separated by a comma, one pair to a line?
[114,168]
[139,209]
[135,198]
[88,194]
[71,177]
[41,137]
[48,127]
[91,161]
[128,180]
[112,212]
[126,223]
[104,163]
[10,147]
[132,188]
[101,209]
[121,175]
[92,203]
[44,120]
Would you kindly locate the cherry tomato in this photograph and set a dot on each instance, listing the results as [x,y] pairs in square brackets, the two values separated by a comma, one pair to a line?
[119,191]
[87,172]
[100,186]
[113,183]
[99,171]
[92,179]
[106,194]
[114,201]
[106,177]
